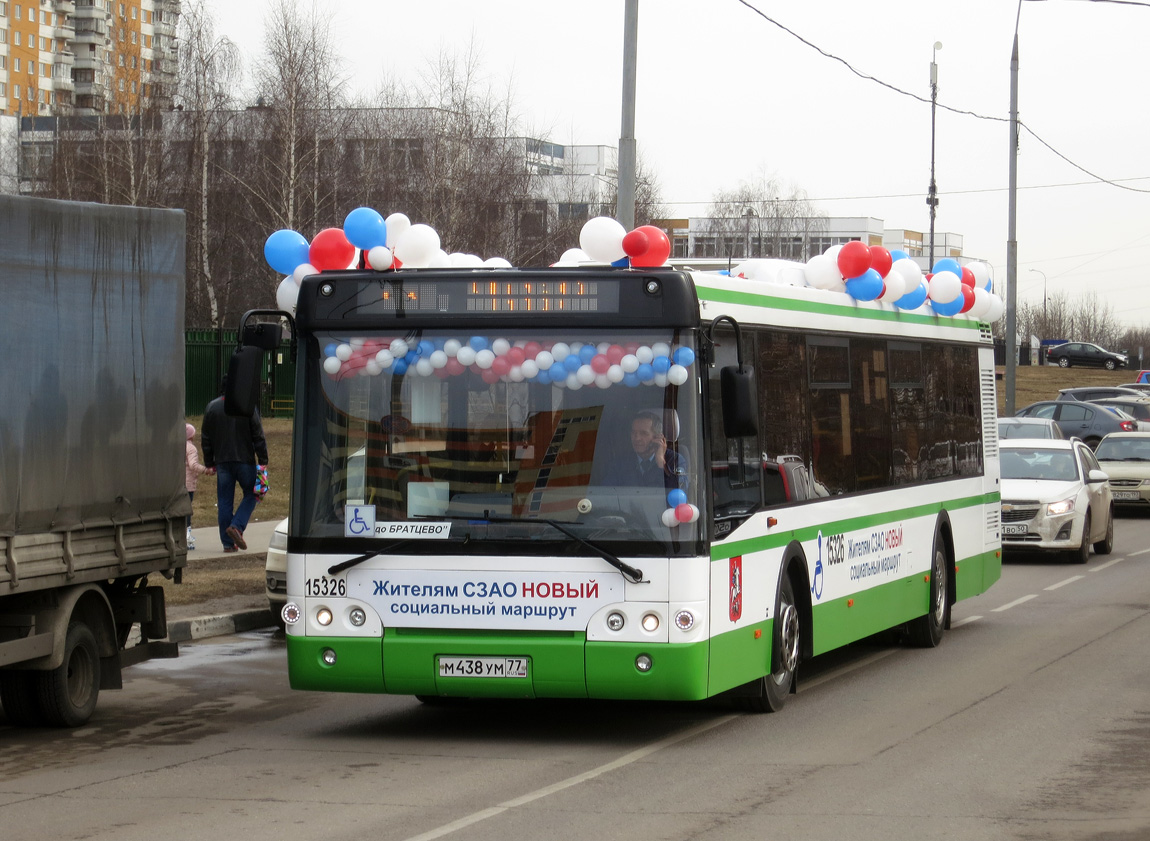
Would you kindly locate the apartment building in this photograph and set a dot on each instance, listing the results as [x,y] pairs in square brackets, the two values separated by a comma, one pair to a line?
[62,57]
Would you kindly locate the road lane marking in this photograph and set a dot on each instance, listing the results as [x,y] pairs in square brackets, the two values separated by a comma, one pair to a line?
[1070,580]
[965,621]
[625,759]
[1107,564]
[1139,552]
[1015,603]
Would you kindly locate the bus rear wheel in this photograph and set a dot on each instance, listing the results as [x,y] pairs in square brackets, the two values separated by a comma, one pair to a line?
[926,631]
[786,645]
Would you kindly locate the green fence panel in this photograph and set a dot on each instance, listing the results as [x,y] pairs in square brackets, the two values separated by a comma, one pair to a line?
[206,361]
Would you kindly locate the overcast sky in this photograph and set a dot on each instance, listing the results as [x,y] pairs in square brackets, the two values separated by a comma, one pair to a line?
[725,95]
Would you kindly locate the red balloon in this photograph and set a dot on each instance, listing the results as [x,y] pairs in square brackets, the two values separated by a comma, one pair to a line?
[880,260]
[683,512]
[854,259]
[967,278]
[600,363]
[658,247]
[635,244]
[501,365]
[517,355]
[330,250]
[967,298]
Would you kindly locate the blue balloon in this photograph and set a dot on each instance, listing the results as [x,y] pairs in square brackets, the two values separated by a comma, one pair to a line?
[412,357]
[571,363]
[284,250]
[558,373]
[587,353]
[399,367]
[684,356]
[425,348]
[913,299]
[898,254]
[946,264]
[865,287]
[951,308]
[365,228]
[646,372]
[329,349]
[631,379]
[661,364]
[477,343]
[622,263]
[676,497]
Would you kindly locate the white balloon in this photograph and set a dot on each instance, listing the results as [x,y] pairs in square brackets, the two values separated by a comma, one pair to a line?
[792,276]
[466,356]
[559,351]
[530,368]
[833,254]
[287,294]
[451,346]
[484,358]
[995,310]
[944,287]
[601,381]
[544,359]
[379,258]
[823,272]
[302,271]
[516,374]
[694,514]
[332,365]
[981,273]
[615,373]
[438,359]
[669,519]
[629,363]
[357,342]
[416,246]
[424,368]
[981,303]
[573,256]
[439,260]
[466,261]
[895,287]
[585,375]
[602,239]
[384,358]
[644,354]
[573,382]
[661,349]
[910,272]
[677,374]
[399,348]
[343,352]
[501,346]
[373,368]
[396,225]
[497,263]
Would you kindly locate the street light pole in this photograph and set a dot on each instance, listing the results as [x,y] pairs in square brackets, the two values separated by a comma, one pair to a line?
[932,195]
[1012,234]
[625,203]
[1044,327]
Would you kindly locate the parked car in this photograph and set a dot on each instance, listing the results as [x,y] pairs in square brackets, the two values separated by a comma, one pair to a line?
[1144,388]
[1136,407]
[1085,353]
[1097,392]
[1055,498]
[1080,420]
[1125,457]
[1028,428]
[275,569]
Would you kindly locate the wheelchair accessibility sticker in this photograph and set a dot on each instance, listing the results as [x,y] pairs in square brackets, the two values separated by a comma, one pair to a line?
[359,521]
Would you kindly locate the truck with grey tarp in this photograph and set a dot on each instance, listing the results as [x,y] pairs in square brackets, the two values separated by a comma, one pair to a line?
[92,496]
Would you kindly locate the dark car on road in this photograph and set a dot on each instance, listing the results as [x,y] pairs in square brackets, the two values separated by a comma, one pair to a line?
[1081,420]
[1084,354]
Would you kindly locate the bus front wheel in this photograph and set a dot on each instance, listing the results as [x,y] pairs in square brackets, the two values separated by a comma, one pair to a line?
[786,645]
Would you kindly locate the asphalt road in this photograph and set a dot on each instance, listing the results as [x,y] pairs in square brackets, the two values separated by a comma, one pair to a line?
[1030,721]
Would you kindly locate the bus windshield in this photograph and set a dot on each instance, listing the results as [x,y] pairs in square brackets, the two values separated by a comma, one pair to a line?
[489,436]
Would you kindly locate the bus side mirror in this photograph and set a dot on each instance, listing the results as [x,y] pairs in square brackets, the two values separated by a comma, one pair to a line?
[242,392]
[740,401]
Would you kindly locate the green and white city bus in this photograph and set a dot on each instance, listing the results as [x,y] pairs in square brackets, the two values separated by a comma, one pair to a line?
[466,517]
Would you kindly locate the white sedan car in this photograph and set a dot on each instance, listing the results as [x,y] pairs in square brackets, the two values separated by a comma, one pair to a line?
[275,569]
[1055,498]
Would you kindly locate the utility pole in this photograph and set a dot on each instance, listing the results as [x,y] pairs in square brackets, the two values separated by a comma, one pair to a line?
[1012,235]
[932,195]
[626,199]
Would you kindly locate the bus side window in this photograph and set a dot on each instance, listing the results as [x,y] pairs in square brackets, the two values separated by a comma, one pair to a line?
[736,463]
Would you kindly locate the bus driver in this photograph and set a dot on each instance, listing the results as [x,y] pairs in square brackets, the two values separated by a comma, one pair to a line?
[653,463]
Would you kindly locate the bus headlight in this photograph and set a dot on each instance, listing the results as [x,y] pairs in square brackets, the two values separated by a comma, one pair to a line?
[643,663]
[323,616]
[290,613]
[615,621]
[357,616]
[650,622]
[684,620]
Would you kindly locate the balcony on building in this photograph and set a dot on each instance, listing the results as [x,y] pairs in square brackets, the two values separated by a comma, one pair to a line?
[64,29]
[64,7]
[88,10]
[64,59]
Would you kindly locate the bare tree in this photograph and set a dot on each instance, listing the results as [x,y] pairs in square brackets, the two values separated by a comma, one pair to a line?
[762,218]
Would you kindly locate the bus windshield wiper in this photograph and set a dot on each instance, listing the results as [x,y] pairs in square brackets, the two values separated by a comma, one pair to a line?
[348,564]
[636,575]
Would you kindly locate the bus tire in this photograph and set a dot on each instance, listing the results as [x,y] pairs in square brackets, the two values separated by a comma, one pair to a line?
[926,631]
[18,696]
[69,692]
[786,647]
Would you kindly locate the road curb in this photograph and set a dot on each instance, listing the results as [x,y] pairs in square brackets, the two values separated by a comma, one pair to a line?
[200,627]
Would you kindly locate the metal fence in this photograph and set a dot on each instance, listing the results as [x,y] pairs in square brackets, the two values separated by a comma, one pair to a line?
[206,361]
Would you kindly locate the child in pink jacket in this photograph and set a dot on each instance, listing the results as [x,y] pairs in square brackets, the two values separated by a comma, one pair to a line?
[192,473]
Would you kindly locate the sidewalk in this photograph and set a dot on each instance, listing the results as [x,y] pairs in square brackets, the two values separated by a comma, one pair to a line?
[231,614]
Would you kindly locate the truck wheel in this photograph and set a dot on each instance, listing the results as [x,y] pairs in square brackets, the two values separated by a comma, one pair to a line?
[18,695]
[68,693]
